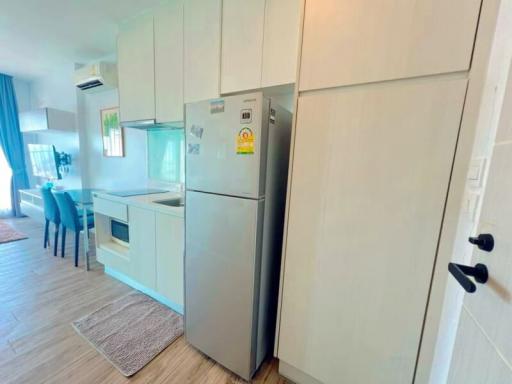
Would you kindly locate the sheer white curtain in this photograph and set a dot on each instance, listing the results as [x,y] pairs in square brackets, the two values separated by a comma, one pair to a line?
[5,186]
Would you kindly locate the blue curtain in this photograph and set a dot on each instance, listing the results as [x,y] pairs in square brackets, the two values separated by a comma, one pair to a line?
[11,140]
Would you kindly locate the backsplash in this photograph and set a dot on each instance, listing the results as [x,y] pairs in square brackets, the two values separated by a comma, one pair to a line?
[166,155]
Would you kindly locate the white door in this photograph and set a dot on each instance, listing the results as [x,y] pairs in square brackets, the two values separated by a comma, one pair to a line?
[218,159]
[483,348]
[370,176]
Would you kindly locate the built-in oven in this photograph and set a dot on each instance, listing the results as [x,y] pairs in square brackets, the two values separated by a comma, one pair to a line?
[119,232]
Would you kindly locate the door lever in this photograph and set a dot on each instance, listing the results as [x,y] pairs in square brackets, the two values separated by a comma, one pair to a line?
[484,241]
[461,273]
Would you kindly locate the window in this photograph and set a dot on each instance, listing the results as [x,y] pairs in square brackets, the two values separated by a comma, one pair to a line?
[166,155]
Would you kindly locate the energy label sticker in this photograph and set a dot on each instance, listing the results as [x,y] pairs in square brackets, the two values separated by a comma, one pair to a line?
[245,142]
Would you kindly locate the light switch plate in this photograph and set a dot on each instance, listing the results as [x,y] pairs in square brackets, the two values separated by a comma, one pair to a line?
[476,172]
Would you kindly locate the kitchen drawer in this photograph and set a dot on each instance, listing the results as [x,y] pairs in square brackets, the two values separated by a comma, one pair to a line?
[110,208]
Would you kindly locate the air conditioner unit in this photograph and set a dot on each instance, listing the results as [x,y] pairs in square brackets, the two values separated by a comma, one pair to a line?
[96,77]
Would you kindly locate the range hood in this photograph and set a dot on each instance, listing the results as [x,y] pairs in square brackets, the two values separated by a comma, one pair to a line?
[152,123]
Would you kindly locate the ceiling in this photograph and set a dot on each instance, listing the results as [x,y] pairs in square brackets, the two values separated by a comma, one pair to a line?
[38,37]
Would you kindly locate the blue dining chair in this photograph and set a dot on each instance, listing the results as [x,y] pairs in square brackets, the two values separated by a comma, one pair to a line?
[51,214]
[70,219]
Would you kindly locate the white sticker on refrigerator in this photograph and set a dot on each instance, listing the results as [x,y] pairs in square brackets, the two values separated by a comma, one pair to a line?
[217,106]
[245,116]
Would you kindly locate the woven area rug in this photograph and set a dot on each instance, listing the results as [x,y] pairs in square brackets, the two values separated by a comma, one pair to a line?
[8,233]
[131,331]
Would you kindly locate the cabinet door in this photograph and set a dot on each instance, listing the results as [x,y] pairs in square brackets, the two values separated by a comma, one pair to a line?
[202,49]
[169,256]
[371,169]
[169,62]
[347,41]
[242,44]
[280,42]
[136,69]
[142,246]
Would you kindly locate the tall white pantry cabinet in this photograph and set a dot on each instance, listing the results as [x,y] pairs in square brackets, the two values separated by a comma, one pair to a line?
[381,93]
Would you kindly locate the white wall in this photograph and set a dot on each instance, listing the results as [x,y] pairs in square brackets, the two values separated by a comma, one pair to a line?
[53,92]
[56,89]
[109,172]
[283,95]
[89,167]
[64,142]
[23,91]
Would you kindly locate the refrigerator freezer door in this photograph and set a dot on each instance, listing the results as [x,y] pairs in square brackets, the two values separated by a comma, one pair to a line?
[226,145]
[221,263]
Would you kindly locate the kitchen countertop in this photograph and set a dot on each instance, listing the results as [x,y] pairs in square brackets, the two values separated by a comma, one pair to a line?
[148,201]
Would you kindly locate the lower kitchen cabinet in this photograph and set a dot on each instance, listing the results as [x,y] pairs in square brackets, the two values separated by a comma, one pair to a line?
[153,261]
[142,246]
[169,256]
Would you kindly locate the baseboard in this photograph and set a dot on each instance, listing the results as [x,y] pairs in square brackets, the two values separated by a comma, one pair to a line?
[148,291]
[295,375]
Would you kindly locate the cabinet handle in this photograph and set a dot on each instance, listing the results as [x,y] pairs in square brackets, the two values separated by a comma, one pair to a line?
[461,273]
[484,241]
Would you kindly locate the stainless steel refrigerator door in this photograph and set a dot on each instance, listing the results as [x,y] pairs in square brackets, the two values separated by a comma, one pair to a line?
[221,262]
[226,145]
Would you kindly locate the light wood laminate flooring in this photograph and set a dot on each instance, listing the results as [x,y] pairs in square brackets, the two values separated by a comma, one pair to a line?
[40,295]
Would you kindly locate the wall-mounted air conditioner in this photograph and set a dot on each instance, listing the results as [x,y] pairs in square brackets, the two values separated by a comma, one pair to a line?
[96,77]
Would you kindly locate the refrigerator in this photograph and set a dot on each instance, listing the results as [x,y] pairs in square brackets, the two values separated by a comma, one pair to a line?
[237,151]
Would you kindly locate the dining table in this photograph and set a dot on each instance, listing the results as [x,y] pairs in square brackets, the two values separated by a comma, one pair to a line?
[84,203]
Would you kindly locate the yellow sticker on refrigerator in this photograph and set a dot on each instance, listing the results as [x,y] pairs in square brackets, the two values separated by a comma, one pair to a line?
[245,142]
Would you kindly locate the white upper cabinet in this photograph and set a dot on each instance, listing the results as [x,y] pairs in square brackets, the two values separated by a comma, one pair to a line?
[242,44]
[150,65]
[136,69]
[169,62]
[259,43]
[193,50]
[202,36]
[349,42]
[44,119]
[280,42]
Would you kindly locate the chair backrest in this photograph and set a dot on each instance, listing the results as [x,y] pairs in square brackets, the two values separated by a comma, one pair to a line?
[68,211]
[51,210]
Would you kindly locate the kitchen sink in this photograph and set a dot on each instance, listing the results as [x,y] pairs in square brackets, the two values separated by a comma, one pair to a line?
[175,202]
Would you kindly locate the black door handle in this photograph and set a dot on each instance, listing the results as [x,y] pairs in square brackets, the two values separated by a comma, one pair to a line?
[484,241]
[461,273]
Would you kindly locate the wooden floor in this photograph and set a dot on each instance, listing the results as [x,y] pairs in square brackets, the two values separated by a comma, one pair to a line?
[40,295]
